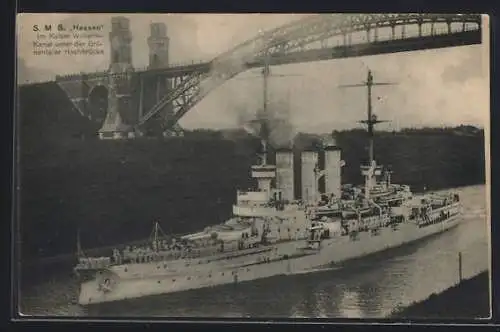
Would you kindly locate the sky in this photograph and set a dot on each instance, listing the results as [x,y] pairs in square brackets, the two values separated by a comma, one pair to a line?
[443,87]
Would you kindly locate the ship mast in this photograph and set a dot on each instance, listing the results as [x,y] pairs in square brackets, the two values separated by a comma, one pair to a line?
[371,121]
[156,233]
[264,134]
[262,114]
[79,251]
[265,173]
[154,236]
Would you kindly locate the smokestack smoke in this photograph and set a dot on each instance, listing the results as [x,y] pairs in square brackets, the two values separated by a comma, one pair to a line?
[235,60]
[275,126]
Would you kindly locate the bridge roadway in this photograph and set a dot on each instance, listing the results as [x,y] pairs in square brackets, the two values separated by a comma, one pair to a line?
[460,38]
[336,52]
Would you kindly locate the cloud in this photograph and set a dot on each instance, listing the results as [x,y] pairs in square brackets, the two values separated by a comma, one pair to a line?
[468,67]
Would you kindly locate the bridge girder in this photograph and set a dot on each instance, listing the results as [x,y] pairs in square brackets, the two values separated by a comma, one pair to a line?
[323,26]
[342,24]
[280,41]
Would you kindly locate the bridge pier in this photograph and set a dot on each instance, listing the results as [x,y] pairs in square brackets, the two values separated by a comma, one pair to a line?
[114,126]
[120,114]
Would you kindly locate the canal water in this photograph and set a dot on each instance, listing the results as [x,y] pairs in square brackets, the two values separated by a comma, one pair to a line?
[370,288]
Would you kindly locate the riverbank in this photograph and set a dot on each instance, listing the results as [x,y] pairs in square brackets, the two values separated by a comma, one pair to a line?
[469,299]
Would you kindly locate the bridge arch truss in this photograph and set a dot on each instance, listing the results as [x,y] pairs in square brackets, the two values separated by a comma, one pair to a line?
[190,84]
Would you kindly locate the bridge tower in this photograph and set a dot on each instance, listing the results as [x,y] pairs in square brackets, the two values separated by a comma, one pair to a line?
[120,39]
[158,43]
[120,115]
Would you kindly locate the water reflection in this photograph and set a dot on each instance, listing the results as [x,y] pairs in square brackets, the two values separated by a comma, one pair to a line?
[349,304]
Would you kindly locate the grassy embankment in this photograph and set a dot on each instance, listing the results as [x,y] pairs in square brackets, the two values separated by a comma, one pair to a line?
[468,299]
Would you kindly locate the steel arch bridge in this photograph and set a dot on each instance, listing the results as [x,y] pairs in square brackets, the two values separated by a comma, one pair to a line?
[296,37]
[162,96]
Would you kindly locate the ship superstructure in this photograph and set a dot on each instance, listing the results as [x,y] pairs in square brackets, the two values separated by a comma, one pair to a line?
[275,229]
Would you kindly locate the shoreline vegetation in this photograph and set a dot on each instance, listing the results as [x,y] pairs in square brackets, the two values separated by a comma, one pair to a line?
[450,304]
[113,191]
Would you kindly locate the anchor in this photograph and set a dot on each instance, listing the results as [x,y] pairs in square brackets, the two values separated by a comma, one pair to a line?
[105,286]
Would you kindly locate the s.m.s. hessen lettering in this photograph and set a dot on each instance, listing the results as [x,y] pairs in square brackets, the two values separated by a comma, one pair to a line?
[79,27]
[48,27]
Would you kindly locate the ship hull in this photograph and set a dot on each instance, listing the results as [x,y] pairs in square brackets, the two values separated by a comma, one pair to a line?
[335,250]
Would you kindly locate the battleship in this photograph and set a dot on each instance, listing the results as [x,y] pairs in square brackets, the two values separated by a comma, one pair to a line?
[273,232]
